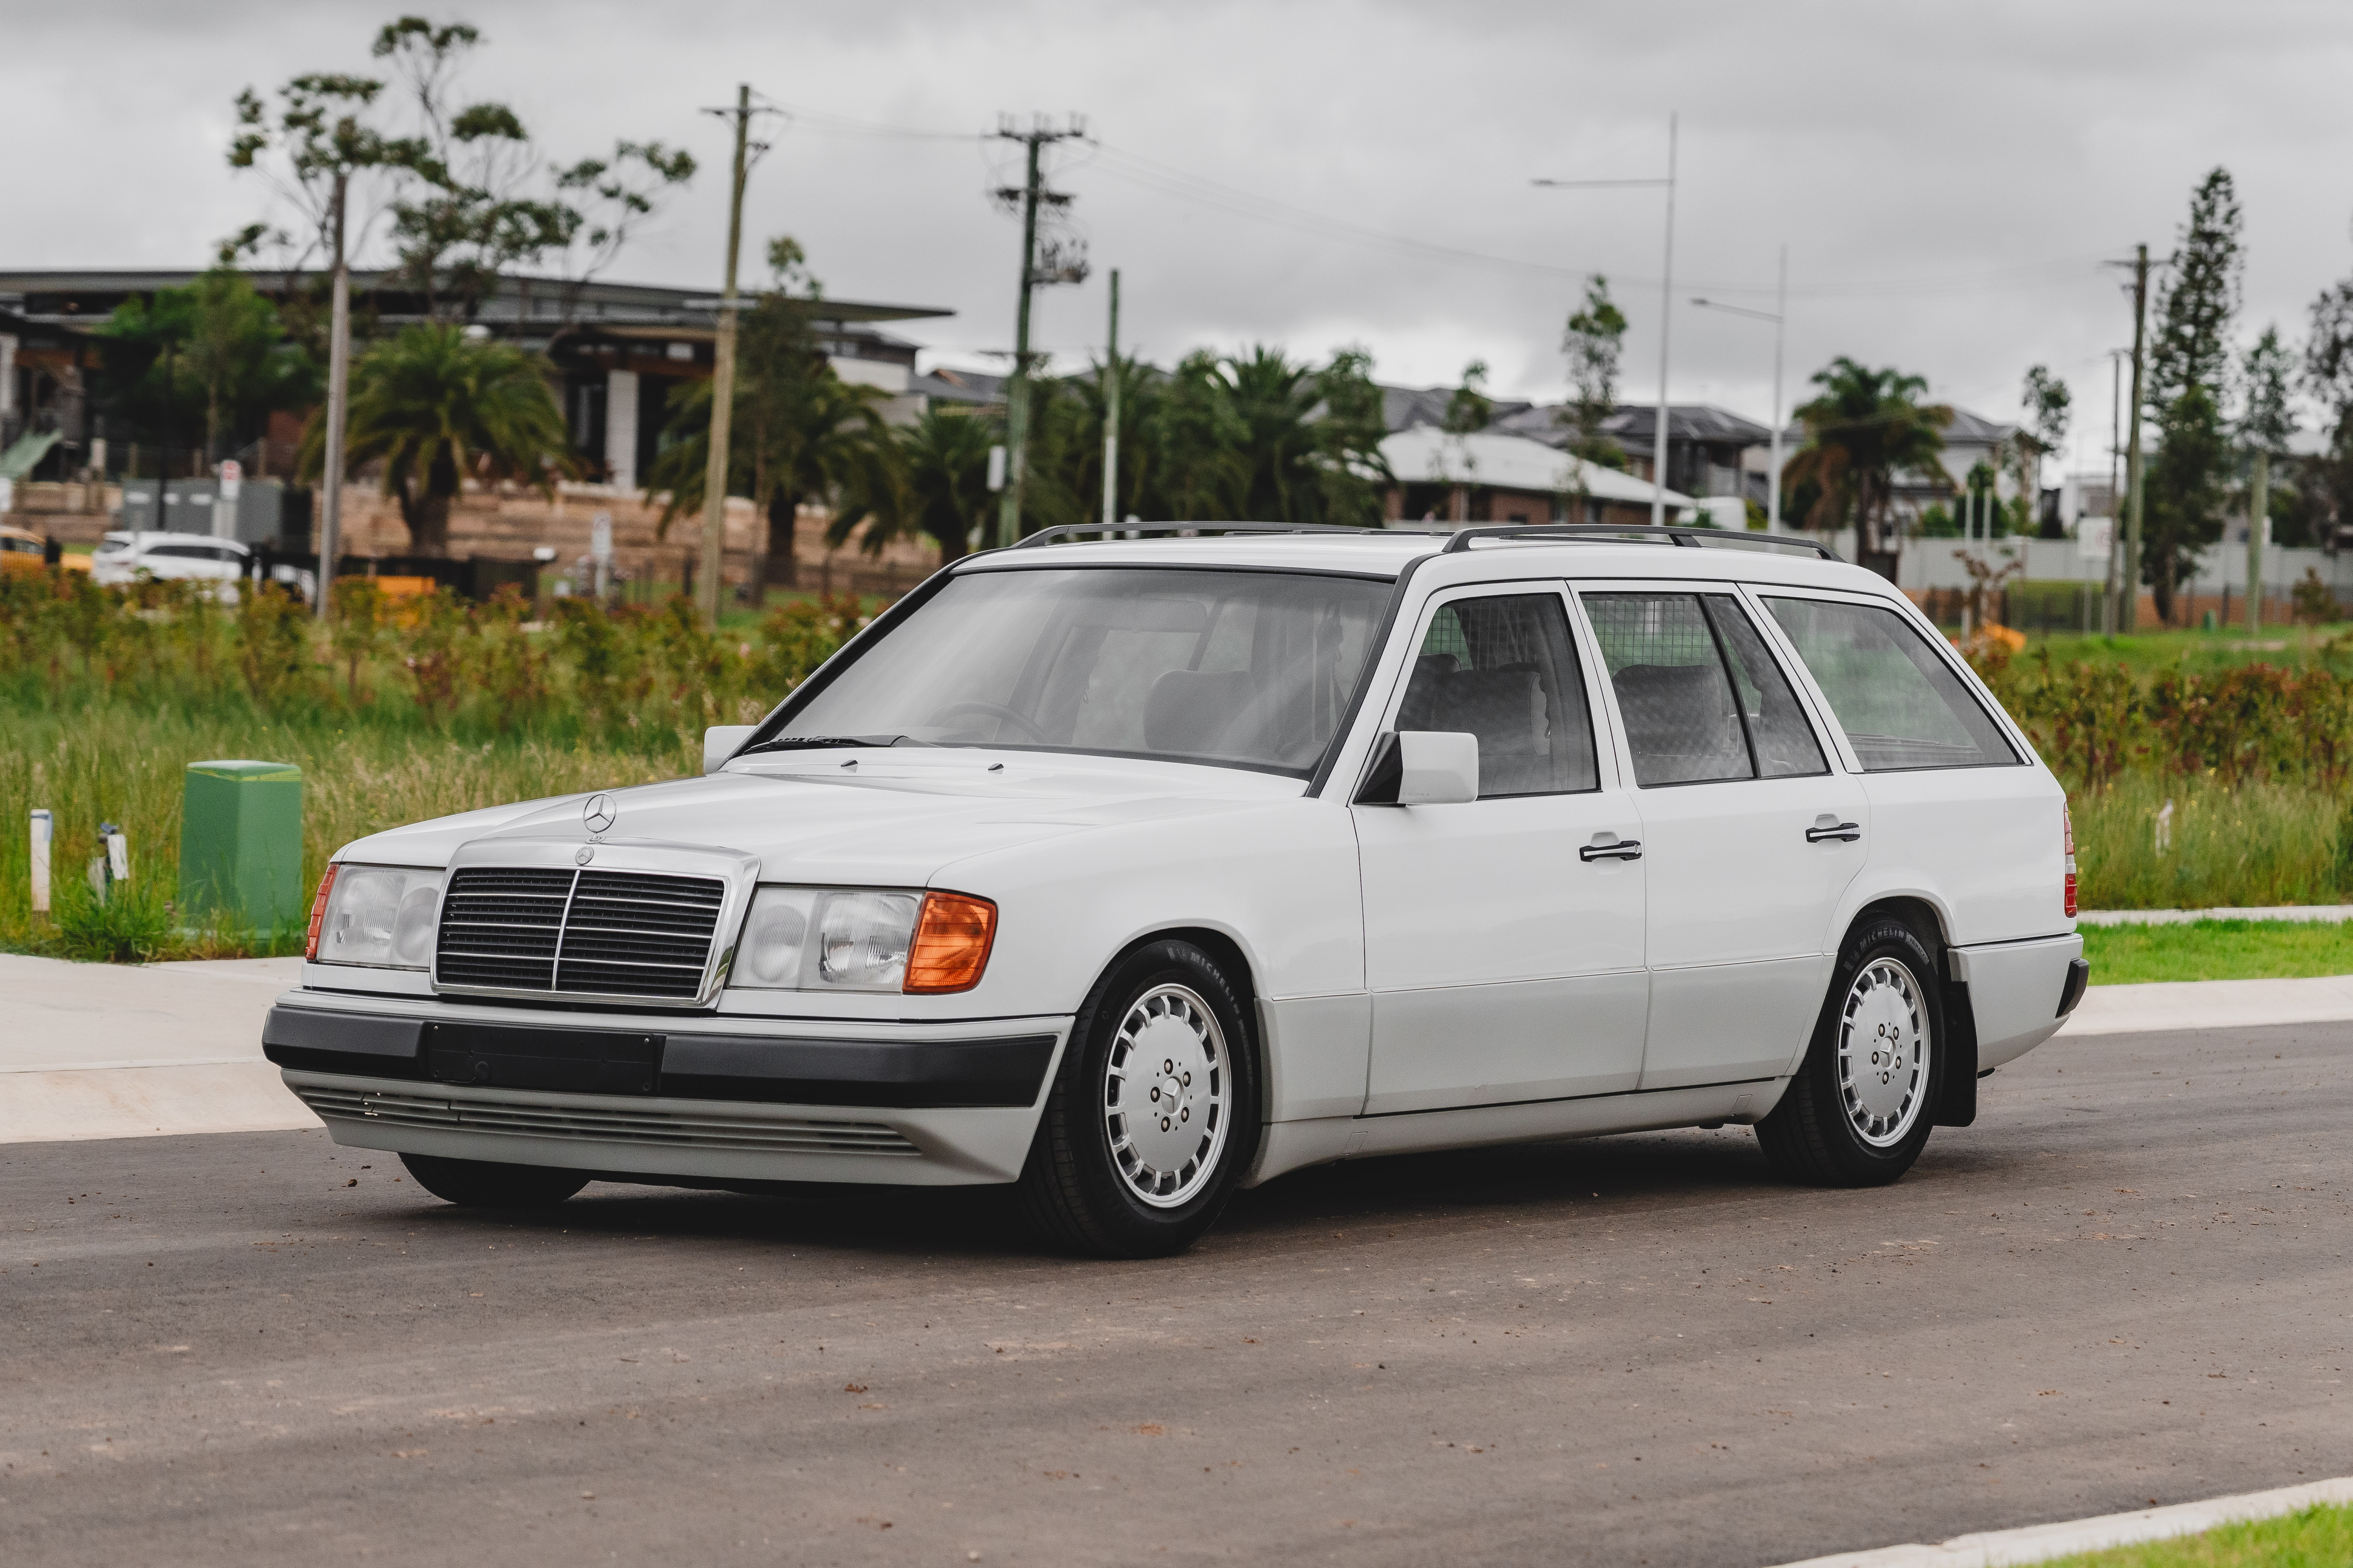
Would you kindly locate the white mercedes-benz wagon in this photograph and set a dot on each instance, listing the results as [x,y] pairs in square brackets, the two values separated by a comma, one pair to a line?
[1131,871]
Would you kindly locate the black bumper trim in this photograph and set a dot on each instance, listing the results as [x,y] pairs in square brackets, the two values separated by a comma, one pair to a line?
[2079,975]
[319,1041]
[1003,1071]
[927,1074]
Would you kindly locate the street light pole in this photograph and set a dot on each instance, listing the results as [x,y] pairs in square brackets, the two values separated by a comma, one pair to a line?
[1780,326]
[1666,302]
[1666,311]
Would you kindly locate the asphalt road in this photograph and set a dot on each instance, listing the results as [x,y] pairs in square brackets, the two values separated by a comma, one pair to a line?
[2128,1282]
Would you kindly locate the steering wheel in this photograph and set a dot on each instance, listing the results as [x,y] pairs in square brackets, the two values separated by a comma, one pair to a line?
[994,711]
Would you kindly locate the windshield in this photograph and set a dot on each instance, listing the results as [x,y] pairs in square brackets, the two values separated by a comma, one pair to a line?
[1241,669]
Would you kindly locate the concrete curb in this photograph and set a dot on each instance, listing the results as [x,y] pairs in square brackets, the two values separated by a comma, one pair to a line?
[2041,1543]
[2166,1004]
[2325,913]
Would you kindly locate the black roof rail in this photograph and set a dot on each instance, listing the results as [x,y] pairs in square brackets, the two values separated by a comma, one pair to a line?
[1073,529]
[1602,533]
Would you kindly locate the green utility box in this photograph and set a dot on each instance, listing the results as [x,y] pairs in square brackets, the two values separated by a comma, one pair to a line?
[241,844]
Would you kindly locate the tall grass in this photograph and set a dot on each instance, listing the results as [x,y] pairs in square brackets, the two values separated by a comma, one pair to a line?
[2220,847]
[116,762]
[406,710]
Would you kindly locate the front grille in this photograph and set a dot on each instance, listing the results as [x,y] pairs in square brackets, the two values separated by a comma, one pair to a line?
[611,933]
[699,1129]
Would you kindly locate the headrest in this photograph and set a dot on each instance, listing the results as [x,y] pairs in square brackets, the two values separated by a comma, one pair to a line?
[1189,710]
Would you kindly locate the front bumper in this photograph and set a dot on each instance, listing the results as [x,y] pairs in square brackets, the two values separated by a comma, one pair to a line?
[666,1098]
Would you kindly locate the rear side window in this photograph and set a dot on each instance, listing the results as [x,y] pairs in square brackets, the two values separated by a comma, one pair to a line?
[1504,668]
[1701,698]
[1901,705]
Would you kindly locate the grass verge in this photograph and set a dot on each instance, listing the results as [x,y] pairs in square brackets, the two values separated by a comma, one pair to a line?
[2219,950]
[115,762]
[2320,1537]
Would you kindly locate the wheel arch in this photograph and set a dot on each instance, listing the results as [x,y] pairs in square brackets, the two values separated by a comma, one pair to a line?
[1229,954]
[1956,1100]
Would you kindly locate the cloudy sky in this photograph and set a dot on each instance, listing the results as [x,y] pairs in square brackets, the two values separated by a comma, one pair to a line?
[1947,179]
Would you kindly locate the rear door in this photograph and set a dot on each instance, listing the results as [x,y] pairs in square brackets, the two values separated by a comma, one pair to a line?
[1750,833]
[1961,812]
[1503,936]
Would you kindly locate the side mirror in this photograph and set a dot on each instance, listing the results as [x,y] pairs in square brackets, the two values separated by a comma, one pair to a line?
[1422,767]
[720,742]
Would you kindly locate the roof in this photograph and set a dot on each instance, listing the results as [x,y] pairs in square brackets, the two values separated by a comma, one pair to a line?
[77,295]
[1384,554]
[1426,455]
[1970,430]
[1635,424]
[960,386]
[1409,407]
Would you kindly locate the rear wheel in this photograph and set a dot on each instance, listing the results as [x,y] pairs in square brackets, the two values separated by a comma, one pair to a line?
[1152,1115]
[1860,1108]
[490,1184]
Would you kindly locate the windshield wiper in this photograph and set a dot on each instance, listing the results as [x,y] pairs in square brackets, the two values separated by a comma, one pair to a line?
[818,743]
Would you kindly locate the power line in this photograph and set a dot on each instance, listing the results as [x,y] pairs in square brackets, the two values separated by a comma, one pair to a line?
[1167,180]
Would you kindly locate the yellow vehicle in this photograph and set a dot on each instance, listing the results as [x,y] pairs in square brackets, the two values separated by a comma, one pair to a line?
[22,550]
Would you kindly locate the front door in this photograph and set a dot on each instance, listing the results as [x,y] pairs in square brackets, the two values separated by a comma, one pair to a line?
[1749,835]
[1503,936]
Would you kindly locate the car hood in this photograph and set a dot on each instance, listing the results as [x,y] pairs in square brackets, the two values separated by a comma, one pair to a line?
[871,816]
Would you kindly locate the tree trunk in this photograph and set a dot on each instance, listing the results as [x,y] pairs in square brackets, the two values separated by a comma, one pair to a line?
[777,568]
[429,525]
[2160,588]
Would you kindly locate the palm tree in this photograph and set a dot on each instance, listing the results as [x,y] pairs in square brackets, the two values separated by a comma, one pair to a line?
[1866,427]
[944,470]
[800,433]
[437,407]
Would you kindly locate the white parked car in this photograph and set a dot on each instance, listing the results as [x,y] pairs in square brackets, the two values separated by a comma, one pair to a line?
[127,557]
[1135,871]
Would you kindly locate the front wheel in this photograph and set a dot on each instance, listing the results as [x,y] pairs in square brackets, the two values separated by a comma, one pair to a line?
[491,1184]
[1859,1112]
[1152,1115]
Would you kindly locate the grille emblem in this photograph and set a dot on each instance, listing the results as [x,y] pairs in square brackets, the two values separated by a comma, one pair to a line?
[599,814]
[585,852]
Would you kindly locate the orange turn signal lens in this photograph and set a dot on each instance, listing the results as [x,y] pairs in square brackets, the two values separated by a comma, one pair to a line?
[319,912]
[953,936]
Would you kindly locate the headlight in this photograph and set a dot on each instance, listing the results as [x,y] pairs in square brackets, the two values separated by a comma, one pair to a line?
[860,939]
[384,916]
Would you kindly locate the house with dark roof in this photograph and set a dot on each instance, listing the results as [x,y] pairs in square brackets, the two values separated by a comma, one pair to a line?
[620,350]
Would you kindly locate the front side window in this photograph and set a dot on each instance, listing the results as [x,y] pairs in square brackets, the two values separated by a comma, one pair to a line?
[1901,705]
[1241,669]
[1504,668]
[1701,698]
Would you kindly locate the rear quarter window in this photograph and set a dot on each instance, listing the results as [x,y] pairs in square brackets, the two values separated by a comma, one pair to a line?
[1900,703]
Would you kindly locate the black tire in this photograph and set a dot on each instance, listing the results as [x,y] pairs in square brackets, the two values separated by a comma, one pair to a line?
[1823,1132]
[490,1184]
[1076,1189]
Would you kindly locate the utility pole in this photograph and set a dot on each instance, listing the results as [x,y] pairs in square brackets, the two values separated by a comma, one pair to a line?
[1063,269]
[1110,412]
[2259,523]
[722,380]
[338,378]
[2129,610]
[2116,499]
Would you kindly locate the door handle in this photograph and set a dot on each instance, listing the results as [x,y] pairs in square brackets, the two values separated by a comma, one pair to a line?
[1846,833]
[1624,850]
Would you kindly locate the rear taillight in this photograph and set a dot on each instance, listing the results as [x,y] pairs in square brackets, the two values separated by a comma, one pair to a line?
[2067,828]
[327,885]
